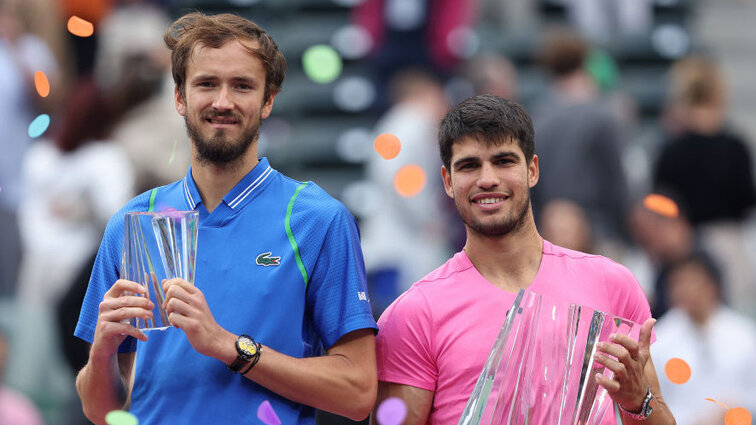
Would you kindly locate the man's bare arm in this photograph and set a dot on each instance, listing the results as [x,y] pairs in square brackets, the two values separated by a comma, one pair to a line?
[418,401]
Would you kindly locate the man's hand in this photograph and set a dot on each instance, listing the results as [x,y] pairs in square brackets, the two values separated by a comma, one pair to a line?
[628,387]
[188,310]
[117,307]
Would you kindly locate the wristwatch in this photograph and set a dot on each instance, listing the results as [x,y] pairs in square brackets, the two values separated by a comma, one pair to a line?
[645,410]
[247,349]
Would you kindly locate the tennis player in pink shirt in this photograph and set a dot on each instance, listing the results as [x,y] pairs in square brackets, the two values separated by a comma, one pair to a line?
[434,339]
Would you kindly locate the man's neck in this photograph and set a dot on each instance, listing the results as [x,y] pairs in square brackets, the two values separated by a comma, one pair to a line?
[214,181]
[510,262]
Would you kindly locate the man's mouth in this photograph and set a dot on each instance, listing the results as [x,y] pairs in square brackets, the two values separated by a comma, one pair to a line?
[222,120]
[489,200]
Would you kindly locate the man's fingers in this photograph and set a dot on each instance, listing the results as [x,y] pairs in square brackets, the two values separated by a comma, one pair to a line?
[611,385]
[619,369]
[111,329]
[188,287]
[124,302]
[122,285]
[126,313]
[644,338]
[623,349]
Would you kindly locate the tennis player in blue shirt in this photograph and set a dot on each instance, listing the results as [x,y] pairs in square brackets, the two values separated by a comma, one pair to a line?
[279,311]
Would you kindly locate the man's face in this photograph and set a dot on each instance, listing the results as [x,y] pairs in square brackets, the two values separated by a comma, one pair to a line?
[224,101]
[490,185]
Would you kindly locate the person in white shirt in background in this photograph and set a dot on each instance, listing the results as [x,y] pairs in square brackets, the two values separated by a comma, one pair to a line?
[717,343]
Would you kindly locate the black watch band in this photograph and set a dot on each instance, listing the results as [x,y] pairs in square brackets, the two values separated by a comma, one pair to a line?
[248,351]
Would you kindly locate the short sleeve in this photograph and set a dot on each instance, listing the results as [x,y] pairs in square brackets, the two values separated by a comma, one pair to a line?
[329,242]
[403,345]
[627,296]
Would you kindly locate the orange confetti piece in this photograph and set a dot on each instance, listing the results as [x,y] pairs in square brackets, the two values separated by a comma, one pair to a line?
[387,145]
[409,180]
[738,416]
[80,27]
[662,205]
[677,370]
[721,404]
[41,83]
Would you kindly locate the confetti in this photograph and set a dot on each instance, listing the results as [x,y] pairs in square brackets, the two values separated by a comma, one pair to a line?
[392,411]
[41,83]
[409,180]
[39,126]
[321,63]
[677,370]
[120,417]
[266,414]
[387,145]
[738,416]
[662,205]
[173,152]
[80,27]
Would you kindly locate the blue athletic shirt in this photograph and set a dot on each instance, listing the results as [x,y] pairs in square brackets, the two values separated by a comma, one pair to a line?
[314,295]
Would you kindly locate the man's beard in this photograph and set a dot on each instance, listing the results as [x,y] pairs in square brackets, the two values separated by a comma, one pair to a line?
[218,149]
[509,224]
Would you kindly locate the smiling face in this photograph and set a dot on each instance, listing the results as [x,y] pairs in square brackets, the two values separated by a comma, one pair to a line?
[224,101]
[490,185]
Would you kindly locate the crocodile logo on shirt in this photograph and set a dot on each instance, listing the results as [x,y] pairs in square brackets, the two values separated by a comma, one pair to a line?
[266,260]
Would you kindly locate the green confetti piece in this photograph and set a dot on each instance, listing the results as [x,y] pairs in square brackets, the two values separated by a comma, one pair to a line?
[321,63]
[120,417]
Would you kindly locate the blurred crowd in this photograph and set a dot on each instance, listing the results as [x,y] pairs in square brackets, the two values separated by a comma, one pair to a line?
[114,133]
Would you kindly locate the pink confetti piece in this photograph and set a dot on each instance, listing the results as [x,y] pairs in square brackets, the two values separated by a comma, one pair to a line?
[266,414]
[392,411]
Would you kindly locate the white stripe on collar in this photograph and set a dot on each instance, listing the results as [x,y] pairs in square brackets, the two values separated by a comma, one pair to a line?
[249,189]
[188,195]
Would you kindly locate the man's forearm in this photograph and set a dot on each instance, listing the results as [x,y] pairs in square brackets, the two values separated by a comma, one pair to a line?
[101,388]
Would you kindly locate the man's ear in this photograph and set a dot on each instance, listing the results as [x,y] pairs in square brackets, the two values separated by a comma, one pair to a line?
[446,176]
[180,101]
[267,106]
[533,172]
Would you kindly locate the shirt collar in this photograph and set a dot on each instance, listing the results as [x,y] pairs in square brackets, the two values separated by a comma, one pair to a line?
[249,185]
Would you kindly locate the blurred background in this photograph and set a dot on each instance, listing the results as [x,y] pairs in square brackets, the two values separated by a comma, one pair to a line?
[630,98]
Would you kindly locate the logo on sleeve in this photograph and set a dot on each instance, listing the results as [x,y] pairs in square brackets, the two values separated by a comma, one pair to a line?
[266,260]
[362,296]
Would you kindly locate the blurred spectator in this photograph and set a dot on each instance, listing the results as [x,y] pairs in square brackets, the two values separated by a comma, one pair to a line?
[405,237]
[429,34]
[715,341]
[710,169]
[579,143]
[491,74]
[565,224]
[15,408]
[133,61]
[21,54]
[600,20]
[73,183]
[665,240]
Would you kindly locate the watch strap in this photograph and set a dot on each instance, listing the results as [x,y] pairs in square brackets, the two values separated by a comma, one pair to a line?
[645,410]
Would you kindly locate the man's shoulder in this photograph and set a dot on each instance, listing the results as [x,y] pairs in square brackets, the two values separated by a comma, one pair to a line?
[310,199]
[608,270]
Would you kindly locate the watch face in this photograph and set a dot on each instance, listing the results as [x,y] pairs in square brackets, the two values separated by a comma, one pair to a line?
[246,345]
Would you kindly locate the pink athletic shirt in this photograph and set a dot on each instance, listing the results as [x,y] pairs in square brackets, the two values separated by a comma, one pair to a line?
[438,334]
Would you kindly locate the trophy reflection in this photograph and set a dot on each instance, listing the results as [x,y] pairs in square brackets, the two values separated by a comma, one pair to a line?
[541,369]
[158,246]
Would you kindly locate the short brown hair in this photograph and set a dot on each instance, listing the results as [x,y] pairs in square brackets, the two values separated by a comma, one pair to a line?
[562,52]
[214,31]
[489,119]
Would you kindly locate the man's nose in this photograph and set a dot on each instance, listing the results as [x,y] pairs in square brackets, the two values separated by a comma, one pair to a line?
[488,177]
[223,99]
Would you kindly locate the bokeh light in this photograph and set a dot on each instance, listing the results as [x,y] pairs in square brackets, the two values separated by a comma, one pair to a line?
[39,126]
[392,411]
[677,371]
[387,145]
[41,83]
[352,41]
[321,63]
[120,417]
[738,416]
[354,94]
[662,205]
[80,27]
[266,414]
[173,152]
[409,180]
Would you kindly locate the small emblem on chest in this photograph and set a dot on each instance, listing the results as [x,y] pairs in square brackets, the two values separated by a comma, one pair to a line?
[266,260]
